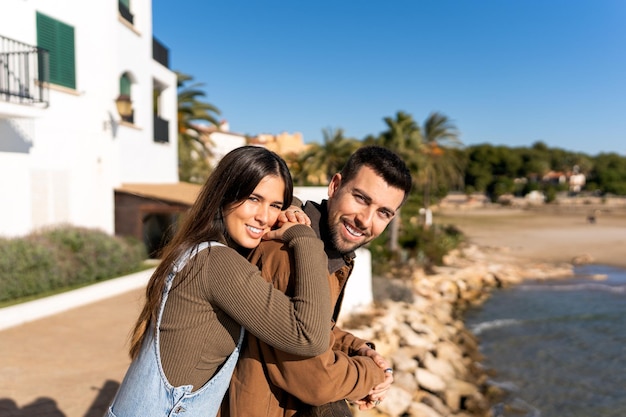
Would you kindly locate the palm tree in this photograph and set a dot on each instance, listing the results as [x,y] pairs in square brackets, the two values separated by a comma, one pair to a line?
[437,163]
[321,161]
[192,151]
[404,137]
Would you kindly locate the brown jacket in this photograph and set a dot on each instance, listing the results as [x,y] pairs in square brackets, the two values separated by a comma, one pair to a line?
[271,383]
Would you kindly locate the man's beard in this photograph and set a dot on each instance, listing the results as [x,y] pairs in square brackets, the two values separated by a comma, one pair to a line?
[340,244]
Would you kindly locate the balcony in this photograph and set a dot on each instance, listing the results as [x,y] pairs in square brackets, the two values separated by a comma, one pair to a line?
[161,130]
[24,73]
[160,53]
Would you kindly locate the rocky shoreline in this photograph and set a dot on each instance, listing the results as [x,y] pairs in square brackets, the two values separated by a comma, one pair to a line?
[417,323]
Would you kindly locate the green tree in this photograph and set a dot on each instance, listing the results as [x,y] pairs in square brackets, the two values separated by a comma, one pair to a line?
[479,169]
[320,162]
[193,153]
[609,173]
[536,161]
[404,137]
[439,166]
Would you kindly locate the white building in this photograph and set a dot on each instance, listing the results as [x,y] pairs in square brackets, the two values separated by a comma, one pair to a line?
[64,145]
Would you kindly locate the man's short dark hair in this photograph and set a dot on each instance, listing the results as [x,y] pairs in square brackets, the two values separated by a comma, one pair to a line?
[384,162]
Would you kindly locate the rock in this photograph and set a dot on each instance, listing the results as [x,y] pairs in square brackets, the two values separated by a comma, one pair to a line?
[439,367]
[403,360]
[582,259]
[422,410]
[434,402]
[429,381]
[396,403]
[405,380]
[409,338]
[456,391]
[451,353]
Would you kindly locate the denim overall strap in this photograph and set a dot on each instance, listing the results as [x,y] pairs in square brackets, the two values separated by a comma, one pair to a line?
[145,390]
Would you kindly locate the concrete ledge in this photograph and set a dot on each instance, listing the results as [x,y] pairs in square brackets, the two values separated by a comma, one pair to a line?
[36,309]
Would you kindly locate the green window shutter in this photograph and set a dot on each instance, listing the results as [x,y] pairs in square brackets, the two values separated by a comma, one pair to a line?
[58,38]
[126,3]
[46,39]
[125,85]
[67,67]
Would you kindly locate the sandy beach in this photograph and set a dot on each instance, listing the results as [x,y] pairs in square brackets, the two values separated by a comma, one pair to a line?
[548,234]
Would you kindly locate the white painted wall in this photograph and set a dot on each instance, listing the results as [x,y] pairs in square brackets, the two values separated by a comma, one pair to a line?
[62,163]
[224,142]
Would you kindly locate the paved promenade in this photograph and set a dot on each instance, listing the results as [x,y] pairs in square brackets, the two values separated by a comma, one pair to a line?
[70,355]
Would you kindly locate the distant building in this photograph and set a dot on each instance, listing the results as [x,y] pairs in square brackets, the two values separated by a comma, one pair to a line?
[283,143]
[220,140]
[555,177]
[577,180]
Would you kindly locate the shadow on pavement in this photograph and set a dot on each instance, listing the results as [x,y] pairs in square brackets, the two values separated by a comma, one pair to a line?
[47,407]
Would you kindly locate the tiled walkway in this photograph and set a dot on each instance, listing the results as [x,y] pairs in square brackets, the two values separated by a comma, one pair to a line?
[68,364]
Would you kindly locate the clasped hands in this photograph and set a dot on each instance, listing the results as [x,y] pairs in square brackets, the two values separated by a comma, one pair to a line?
[379,392]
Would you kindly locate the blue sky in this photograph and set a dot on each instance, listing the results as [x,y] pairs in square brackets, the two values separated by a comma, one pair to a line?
[507,72]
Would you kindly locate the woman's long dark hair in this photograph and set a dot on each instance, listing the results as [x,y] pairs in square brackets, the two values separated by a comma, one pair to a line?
[233,180]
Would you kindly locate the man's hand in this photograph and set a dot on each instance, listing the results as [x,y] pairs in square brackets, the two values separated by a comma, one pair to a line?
[379,392]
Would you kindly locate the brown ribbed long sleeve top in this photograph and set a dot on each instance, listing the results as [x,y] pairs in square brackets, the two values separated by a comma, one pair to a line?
[223,291]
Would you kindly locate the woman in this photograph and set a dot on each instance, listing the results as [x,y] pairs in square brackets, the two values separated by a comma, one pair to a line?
[204,293]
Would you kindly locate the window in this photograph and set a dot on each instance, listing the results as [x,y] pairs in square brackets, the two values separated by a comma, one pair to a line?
[161,126]
[124,8]
[125,83]
[58,39]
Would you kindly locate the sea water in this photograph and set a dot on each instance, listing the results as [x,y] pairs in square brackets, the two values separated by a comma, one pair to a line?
[557,347]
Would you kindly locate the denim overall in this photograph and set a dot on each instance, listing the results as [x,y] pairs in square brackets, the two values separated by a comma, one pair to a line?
[145,391]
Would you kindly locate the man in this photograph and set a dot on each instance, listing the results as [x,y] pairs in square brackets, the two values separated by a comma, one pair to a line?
[362,200]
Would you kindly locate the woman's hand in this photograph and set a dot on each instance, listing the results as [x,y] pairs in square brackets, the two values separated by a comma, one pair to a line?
[277,234]
[293,214]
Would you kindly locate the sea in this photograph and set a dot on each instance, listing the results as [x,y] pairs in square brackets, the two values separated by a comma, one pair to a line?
[557,347]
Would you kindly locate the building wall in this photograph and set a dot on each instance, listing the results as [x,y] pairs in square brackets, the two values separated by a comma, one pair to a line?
[224,142]
[283,144]
[61,163]
[147,219]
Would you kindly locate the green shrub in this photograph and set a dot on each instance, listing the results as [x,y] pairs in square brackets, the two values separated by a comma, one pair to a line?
[429,245]
[28,267]
[419,245]
[95,254]
[61,257]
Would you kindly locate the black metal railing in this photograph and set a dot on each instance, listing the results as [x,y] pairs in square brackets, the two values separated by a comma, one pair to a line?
[161,130]
[24,72]
[160,53]
[125,12]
